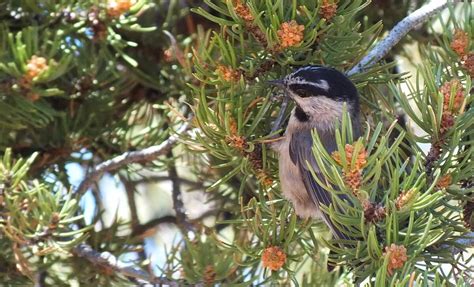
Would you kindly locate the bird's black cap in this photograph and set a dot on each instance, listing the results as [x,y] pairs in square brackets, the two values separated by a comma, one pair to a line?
[322,81]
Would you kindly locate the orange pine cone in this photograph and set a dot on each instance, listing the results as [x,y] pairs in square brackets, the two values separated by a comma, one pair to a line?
[361,160]
[273,257]
[290,34]
[353,179]
[397,255]
[404,198]
[328,10]
[460,42]
[35,66]
[456,86]
[116,8]
[444,181]
[243,11]
[468,63]
[237,142]
[447,122]
[228,74]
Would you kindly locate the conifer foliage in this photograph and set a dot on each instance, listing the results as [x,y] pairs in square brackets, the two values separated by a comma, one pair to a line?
[140,88]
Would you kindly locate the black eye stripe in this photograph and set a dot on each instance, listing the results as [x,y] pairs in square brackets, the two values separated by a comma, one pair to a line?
[307,90]
[303,93]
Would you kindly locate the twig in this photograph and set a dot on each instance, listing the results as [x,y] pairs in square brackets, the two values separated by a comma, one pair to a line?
[397,33]
[178,204]
[109,261]
[130,190]
[143,229]
[40,278]
[99,204]
[134,222]
[143,155]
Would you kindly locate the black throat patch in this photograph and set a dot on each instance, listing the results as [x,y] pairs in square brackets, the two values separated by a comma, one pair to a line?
[301,115]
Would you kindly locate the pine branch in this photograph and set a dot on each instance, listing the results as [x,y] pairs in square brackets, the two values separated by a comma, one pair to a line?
[178,204]
[397,33]
[144,155]
[109,261]
[40,278]
[143,229]
[130,190]
[99,204]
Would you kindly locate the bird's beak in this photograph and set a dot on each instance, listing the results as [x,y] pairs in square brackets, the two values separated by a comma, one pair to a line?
[281,84]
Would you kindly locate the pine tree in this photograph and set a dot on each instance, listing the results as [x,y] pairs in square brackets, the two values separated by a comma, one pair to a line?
[176,91]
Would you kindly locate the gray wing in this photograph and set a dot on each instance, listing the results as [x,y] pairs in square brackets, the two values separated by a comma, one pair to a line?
[301,152]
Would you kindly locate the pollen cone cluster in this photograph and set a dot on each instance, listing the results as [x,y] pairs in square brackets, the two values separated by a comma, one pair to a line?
[456,86]
[209,275]
[468,63]
[404,198]
[397,256]
[460,42]
[115,8]
[273,258]
[328,9]
[228,74]
[452,88]
[243,11]
[255,156]
[352,174]
[444,181]
[35,66]
[290,34]
[460,45]
[373,212]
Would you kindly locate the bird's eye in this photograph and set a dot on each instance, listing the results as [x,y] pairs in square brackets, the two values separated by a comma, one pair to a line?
[303,93]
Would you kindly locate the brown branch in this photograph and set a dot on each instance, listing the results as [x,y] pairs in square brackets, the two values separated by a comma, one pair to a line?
[432,157]
[108,261]
[130,191]
[177,196]
[143,229]
[40,278]
[144,155]
[99,204]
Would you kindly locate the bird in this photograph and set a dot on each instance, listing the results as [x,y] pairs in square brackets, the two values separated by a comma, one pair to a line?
[321,95]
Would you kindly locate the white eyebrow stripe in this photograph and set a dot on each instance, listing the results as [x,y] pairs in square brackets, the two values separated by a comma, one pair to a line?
[322,84]
[307,68]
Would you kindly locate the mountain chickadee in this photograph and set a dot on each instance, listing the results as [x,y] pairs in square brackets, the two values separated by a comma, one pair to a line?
[319,94]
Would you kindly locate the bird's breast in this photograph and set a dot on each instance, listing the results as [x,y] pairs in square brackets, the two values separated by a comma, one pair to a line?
[292,184]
